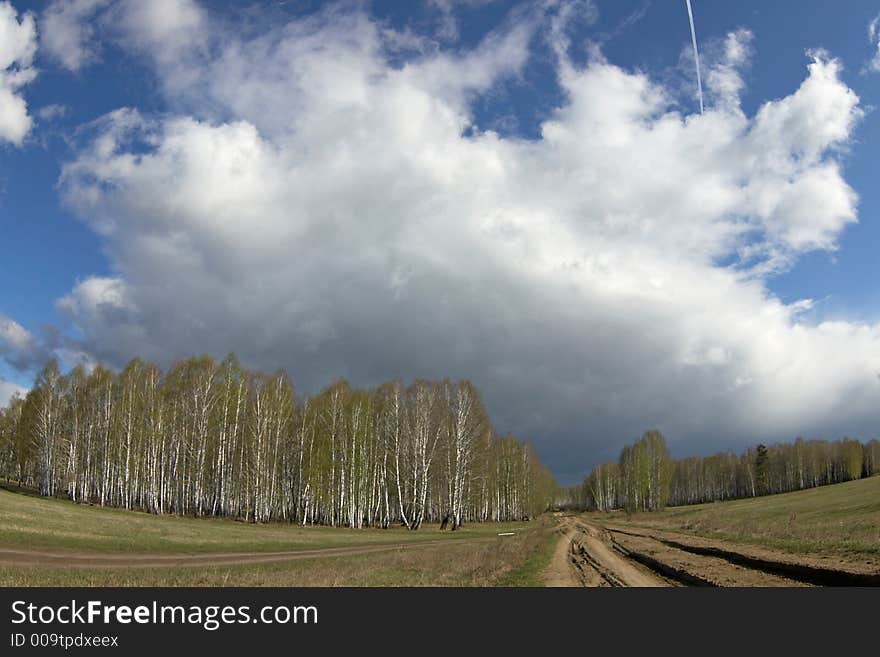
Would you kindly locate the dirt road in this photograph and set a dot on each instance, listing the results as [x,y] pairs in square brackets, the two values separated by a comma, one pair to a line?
[583,558]
[560,571]
[589,554]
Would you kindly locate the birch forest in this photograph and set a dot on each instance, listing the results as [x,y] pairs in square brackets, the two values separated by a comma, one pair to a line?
[645,478]
[214,439]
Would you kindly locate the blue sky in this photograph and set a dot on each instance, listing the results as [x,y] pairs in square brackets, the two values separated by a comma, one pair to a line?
[171,62]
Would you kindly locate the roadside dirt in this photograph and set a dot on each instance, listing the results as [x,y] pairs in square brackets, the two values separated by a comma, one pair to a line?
[81,559]
[588,554]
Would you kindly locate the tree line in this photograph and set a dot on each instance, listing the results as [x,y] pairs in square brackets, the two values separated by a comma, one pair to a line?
[211,438]
[645,478]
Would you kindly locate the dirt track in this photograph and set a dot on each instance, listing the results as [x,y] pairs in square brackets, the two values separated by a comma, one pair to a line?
[79,559]
[583,558]
[591,555]
[560,571]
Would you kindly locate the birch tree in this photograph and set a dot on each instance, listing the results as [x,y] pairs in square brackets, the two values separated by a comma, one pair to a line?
[215,439]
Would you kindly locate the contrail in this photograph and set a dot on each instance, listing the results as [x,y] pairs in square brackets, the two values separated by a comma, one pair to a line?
[696,53]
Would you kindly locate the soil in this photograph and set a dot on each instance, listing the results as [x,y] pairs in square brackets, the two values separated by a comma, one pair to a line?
[591,554]
[559,571]
[584,558]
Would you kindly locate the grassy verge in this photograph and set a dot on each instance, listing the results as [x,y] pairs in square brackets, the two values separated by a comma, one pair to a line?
[841,520]
[539,551]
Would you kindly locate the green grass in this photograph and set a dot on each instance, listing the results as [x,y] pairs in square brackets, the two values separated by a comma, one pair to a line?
[842,520]
[27,521]
[539,551]
[483,563]
[37,523]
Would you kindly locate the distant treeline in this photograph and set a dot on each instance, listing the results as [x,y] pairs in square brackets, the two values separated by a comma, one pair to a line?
[214,439]
[645,478]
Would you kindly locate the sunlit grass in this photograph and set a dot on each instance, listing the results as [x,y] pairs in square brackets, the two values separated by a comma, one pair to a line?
[840,519]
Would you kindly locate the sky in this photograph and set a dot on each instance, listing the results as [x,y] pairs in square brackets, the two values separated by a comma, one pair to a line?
[524,195]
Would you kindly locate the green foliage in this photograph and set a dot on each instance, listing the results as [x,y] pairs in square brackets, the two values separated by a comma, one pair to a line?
[646,478]
[213,439]
[761,481]
[645,470]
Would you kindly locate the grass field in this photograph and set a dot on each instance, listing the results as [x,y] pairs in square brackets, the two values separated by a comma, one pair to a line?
[460,564]
[475,555]
[841,520]
[28,521]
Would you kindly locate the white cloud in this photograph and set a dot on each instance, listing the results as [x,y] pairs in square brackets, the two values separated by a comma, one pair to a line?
[51,112]
[18,43]
[26,352]
[567,15]
[13,336]
[72,30]
[874,38]
[311,205]
[448,27]
[724,81]
[67,31]
[18,346]
[101,300]
[163,27]
[8,390]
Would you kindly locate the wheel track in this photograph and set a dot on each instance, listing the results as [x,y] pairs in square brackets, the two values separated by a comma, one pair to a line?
[607,556]
[596,562]
[791,570]
[692,568]
[586,566]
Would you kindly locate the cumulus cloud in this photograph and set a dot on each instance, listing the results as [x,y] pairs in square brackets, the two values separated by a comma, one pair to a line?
[164,28]
[67,31]
[311,203]
[13,336]
[565,16]
[18,43]
[18,346]
[8,390]
[97,303]
[72,30]
[724,82]
[26,352]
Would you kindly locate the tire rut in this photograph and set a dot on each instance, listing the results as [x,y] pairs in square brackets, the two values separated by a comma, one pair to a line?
[792,571]
[596,562]
[606,556]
